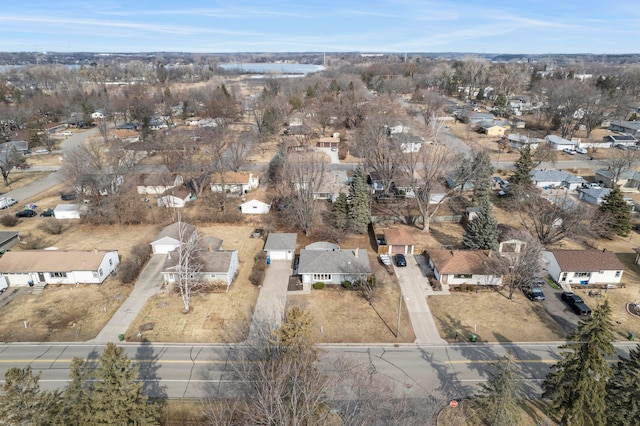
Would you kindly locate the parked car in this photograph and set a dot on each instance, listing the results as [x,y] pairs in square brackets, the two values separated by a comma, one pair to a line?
[23,166]
[576,303]
[592,185]
[581,150]
[26,213]
[41,151]
[401,261]
[67,133]
[68,196]
[569,151]
[534,293]
[47,213]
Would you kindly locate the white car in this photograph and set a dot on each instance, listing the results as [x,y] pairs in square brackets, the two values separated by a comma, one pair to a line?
[67,133]
[581,150]
[41,151]
[569,151]
[593,186]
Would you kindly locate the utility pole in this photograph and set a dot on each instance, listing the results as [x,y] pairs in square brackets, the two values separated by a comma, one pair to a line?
[399,311]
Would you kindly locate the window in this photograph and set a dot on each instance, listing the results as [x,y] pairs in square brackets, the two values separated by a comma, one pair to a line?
[508,247]
[100,271]
[95,274]
[582,274]
[564,276]
[110,262]
[322,277]
[58,274]
[462,276]
[618,273]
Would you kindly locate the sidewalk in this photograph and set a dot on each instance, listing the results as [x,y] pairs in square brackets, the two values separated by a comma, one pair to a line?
[272,299]
[148,284]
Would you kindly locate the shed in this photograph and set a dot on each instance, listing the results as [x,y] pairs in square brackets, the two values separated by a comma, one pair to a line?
[399,241]
[68,211]
[256,203]
[168,239]
[281,245]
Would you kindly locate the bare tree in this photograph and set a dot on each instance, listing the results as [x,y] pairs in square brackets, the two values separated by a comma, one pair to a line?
[8,160]
[188,265]
[304,173]
[621,162]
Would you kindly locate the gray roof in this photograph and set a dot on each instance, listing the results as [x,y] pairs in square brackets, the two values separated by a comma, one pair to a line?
[635,125]
[596,192]
[281,241]
[212,261]
[19,146]
[625,174]
[171,231]
[559,140]
[7,235]
[555,176]
[334,262]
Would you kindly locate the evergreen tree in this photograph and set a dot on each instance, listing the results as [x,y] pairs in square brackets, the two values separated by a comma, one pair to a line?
[359,205]
[339,215]
[619,212]
[523,167]
[623,392]
[77,398]
[498,398]
[24,403]
[482,182]
[577,383]
[482,231]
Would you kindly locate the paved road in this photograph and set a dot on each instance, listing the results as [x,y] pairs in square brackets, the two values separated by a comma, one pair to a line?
[413,285]
[195,371]
[148,284]
[272,299]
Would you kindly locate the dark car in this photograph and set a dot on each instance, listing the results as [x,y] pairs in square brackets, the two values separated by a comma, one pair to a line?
[47,213]
[23,166]
[68,196]
[26,213]
[400,260]
[576,303]
[534,293]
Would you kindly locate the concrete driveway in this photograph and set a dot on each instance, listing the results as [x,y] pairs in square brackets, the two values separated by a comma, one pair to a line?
[558,310]
[272,299]
[332,154]
[414,284]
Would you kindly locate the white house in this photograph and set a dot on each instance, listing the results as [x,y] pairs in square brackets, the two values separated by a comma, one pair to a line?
[168,239]
[256,203]
[583,267]
[455,267]
[597,195]
[69,211]
[175,197]
[281,245]
[22,268]
[556,179]
[629,127]
[558,143]
[328,263]
[234,182]
[519,141]
[215,265]
[157,183]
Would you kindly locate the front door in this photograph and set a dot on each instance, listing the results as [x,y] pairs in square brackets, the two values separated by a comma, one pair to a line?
[41,277]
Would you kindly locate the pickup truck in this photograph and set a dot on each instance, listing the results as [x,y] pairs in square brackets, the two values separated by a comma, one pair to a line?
[7,202]
[576,303]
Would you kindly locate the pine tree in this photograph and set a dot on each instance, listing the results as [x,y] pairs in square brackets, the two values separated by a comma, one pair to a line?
[359,205]
[498,398]
[577,383]
[77,398]
[482,182]
[23,402]
[339,214]
[619,212]
[523,167]
[623,392]
[482,231]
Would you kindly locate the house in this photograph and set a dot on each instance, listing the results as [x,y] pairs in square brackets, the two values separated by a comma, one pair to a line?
[597,195]
[20,146]
[628,180]
[494,128]
[473,117]
[8,239]
[375,180]
[331,142]
[192,121]
[519,141]
[583,266]
[175,197]
[69,211]
[256,202]
[280,245]
[454,267]
[399,241]
[125,135]
[22,268]
[558,143]
[157,182]
[169,238]
[332,184]
[328,263]
[629,127]
[556,179]
[214,264]
[407,142]
[234,182]
[613,140]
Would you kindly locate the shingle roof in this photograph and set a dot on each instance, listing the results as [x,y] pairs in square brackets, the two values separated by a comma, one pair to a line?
[231,178]
[212,261]
[398,236]
[461,261]
[50,261]
[171,231]
[334,262]
[587,260]
[555,176]
[281,241]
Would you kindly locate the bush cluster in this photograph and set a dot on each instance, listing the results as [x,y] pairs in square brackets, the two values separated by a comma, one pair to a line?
[52,226]
[318,285]
[130,268]
[9,220]
[259,268]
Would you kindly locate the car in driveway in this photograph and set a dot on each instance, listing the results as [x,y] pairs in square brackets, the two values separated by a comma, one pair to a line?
[26,213]
[569,151]
[534,293]
[23,166]
[67,133]
[401,261]
[581,150]
[68,196]
[47,213]
[576,303]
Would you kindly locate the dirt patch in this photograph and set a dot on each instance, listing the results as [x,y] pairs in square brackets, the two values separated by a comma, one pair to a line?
[214,317]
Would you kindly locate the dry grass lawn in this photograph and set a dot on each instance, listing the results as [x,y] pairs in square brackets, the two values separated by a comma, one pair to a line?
[214,317]
[18,179]
[532,413]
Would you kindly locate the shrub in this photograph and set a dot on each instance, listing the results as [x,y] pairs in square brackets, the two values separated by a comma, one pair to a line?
[347,284]
[30,242]
[52,226]
[9,220]
[373,280]
[256,277]
[130,268]
[318,285]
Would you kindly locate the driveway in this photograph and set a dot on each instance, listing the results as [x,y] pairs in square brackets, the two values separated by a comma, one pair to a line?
[148,284]
[332,154]
[558,310]
[414,284]
[272,299]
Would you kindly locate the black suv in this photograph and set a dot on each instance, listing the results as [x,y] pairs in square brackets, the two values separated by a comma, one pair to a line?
[576,303]
[534,293]
[400,260]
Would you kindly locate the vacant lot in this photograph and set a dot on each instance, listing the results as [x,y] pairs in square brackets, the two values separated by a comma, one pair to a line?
[214,317]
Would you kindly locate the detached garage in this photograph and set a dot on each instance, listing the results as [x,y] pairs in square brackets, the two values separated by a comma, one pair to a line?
[399,241]
[68,211]
[281,246]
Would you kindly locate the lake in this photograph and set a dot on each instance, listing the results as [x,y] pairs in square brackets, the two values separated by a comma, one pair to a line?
[273,68]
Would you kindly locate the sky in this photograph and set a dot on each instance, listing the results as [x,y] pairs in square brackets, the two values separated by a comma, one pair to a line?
[213,26]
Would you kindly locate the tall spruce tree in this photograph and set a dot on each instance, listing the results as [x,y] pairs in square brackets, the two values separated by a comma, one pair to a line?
[23,403]
[576,385]
[482,231]
[359,202]
[482,181]
[498,398]
[339,214]
[523,167]
[618,211]
[623,392]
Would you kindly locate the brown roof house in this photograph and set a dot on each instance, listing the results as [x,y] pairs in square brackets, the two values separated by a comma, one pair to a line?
[454,267]
[583,266]
[257,202]
[234,182]
[22,268]
[398,241]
